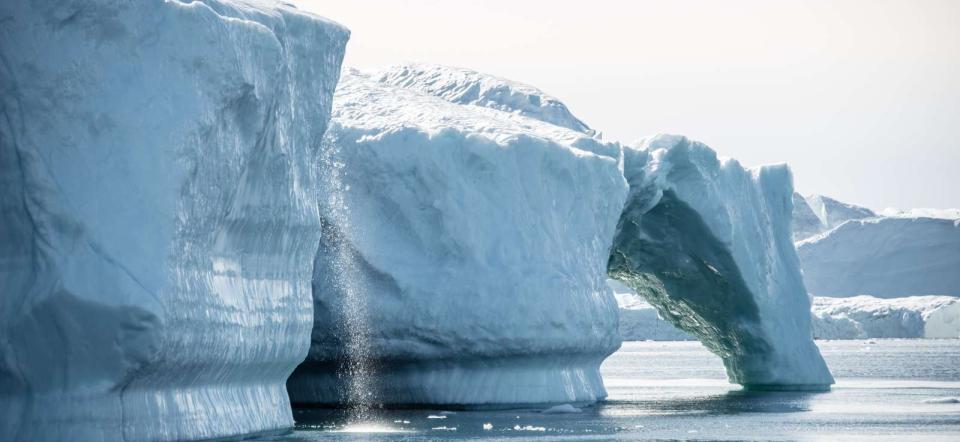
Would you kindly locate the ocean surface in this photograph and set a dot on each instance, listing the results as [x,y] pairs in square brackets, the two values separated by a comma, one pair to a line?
[887,389]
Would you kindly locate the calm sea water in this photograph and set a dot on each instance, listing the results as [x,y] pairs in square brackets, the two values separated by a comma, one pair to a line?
[886,389]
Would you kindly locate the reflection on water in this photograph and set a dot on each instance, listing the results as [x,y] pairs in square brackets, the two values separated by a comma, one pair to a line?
[886,389]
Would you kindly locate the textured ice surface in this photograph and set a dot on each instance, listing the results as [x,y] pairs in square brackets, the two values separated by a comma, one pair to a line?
[640,321]
[862,317]
[479,239]
[464,86]
[158,214]
[708,243]
[922,213]
[884,257]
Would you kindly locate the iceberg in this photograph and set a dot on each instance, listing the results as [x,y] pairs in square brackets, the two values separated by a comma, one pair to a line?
[708,243]
[884,257]
[158,214]
[476,241]
[864,317]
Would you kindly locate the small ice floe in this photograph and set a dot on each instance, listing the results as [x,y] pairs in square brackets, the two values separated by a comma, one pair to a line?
[444,428]
[436,416]
[529,428]
[487,426]
[560,409]
[943,400]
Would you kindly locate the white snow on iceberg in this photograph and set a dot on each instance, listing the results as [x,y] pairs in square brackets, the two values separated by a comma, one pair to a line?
[884,257]
[157,214]
[479,239]
[464,86]
[708,243]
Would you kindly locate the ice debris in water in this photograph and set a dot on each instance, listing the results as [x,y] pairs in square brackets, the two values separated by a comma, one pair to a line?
[560,409]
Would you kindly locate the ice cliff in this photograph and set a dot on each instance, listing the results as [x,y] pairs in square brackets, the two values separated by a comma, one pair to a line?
[478,239]
[862,317]
[708,243]
[158,215]
[884,257]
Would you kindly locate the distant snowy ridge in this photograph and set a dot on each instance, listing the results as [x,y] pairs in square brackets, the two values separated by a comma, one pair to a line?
[922,213]
[858,317]
[862,317]
[464,86]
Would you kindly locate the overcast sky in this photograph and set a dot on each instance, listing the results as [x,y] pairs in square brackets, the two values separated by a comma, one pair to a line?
[861,98]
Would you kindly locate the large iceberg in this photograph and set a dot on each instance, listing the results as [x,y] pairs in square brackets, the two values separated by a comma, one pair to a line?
[476,241]
[862,317]
[884,257]
[708,243]
[158,214]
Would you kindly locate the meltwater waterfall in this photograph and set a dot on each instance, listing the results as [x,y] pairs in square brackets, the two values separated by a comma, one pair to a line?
[352,323]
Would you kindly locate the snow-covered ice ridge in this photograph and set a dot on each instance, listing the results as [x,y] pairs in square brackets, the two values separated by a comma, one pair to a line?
[862,317]
[465,86]
[158,214]
[708,243]
[480,238]
[884,257]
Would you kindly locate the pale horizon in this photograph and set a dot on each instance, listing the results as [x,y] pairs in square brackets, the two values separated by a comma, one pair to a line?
[860,98]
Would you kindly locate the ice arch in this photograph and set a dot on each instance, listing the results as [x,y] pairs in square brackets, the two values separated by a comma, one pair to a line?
[708,243]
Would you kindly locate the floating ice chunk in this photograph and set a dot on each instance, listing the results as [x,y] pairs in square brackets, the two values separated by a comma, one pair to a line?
[528,428]
[487,426]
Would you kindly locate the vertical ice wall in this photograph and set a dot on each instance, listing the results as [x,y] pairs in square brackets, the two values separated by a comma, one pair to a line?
[886,257]
[158,214]
[478,242]
[708,243]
